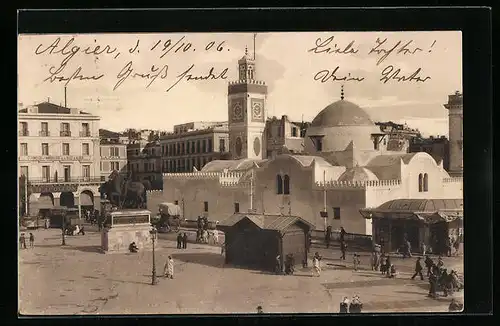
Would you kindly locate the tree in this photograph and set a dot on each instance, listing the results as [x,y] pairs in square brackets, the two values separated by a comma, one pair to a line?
[153,136]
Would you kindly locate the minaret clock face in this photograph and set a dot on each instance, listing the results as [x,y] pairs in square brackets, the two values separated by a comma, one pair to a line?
[237,111]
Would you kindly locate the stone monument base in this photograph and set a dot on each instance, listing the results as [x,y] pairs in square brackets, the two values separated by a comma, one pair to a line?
[118,238]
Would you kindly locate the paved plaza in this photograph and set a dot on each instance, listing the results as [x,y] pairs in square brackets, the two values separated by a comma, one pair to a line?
[77,279]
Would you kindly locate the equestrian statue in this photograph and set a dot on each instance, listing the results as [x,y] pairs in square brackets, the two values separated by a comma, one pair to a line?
[124,193]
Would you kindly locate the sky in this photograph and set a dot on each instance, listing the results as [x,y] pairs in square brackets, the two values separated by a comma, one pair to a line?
[291,64]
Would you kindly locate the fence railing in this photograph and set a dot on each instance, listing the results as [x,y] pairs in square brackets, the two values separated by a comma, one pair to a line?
[85,134]
[24,133]
[65,133]
[44,133]
[65,180]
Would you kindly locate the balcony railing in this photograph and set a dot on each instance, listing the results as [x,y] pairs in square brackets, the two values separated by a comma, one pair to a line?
[24,133]
[44,133]
[64,180]
[85,133]
[65,133]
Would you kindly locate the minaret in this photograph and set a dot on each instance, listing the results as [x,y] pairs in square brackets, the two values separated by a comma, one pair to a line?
[247,112]
[455,123]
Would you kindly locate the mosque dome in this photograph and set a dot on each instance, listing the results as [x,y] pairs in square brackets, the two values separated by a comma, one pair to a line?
[358,174]
[342,113]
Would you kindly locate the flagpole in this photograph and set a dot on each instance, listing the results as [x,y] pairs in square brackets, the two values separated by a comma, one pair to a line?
[254,36]
[251,192]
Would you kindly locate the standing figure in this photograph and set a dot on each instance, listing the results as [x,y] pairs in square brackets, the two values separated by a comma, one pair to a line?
[259,310]
[392,271]
[316,265]
[32,240]
[428,264]
[423,248]
[215,235]
[184,240]
[47,223]
[133,247]
[355,306]
[277,267]
[388,265]
[344,306]
[179,241]
[355,262]
[328,235]
[205,236]
[22,241]
[168,270]
[342,234]
[343,248]
[432,285]
[418,270]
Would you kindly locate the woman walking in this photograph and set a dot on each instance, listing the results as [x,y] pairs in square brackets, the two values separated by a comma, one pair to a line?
[168,270]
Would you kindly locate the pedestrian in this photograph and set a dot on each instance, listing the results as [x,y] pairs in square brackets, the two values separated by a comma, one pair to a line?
[205,236]
[423,248]
[449,246]
[47,223]
[222,249]
[456,245]
[382,245]
[388,266]
[440,263]
[316,264]
[259,310]
[328,235]
[356,261]
[355,306]
[418,270]
[408,249]
[22,241]
[32,240]
[215,235]
[168,270]
[432,285]
[344,306]
[184,240]
[133,247]
[342,234]
[392,272]
[428,263]
[343,248]
[179,241]
[277,265]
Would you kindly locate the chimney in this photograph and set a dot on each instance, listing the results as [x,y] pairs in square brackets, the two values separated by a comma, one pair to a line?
[65,101]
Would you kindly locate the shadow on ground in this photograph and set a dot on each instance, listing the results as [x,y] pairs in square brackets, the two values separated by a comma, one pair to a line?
[208,259]
[95,249]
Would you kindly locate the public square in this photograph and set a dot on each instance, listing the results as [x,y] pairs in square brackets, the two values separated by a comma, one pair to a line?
[77,279]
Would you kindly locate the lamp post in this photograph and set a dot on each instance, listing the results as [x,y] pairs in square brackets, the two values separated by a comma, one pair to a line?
[63,228]
[154,281]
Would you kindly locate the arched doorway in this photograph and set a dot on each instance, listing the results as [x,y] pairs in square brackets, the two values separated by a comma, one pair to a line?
[67,199]
[45,202]
[86,201]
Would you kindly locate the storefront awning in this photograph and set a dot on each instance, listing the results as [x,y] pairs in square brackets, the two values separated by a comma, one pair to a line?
[86,200]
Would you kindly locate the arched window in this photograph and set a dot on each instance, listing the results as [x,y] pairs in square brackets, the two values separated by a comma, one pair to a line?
[426,182]
[279,184]
[286,185]
[420,183]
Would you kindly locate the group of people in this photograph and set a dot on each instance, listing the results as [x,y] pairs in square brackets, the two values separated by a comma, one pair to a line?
[76,230]
[289,264]
[202,233]
[22,240]
[354,306]
[182,241]
[439,278]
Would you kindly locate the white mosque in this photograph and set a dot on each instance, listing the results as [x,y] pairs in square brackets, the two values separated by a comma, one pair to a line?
[346,167]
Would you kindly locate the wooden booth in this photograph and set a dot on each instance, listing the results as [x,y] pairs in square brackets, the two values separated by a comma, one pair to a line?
[254,240]
[428,221]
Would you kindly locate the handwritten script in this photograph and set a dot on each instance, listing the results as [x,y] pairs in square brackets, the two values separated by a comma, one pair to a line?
[67,73]
[382,49]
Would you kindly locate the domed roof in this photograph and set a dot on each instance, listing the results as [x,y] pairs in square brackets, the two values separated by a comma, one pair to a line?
[342,113]
[358,174]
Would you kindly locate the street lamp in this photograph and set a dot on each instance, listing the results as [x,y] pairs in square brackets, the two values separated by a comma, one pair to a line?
[63,214]
[153,232]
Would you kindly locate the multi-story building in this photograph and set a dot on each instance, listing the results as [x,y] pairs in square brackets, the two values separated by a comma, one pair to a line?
[144,162]
[437,147]
[284,136]
[59,155]
[194,144]
[113,157]
[395,137]
[455,122]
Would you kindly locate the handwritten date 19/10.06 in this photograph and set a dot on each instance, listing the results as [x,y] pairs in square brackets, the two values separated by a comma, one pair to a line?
[179,46]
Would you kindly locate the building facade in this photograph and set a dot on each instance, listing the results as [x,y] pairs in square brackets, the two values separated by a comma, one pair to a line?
[113,157]
[192,145]
[456,137]
[284,136]
[144,162]
[437,147]
[59,155]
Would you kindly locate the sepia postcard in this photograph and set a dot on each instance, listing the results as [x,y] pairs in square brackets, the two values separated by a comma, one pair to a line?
[240,173]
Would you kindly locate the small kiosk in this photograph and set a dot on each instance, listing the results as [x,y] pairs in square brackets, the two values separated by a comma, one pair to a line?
[124,227]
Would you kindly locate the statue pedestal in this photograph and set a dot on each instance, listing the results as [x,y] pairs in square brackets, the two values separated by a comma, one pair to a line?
[127,226]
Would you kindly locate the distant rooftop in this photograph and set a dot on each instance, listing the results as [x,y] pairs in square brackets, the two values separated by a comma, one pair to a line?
[51,108]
